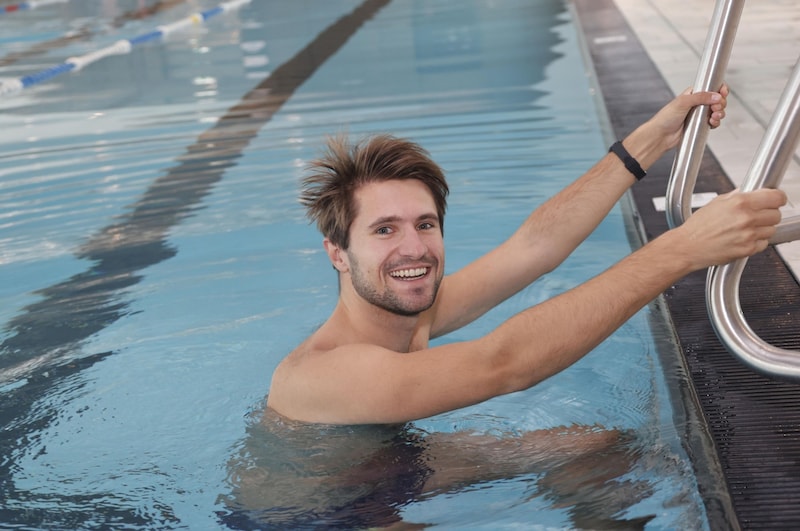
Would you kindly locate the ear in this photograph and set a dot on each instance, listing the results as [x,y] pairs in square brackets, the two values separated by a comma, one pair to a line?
[337,256]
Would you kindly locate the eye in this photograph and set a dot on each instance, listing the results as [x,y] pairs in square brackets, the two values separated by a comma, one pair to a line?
[383,230]
[427,225]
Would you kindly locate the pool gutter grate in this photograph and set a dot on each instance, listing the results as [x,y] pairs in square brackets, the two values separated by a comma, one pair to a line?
[754,420]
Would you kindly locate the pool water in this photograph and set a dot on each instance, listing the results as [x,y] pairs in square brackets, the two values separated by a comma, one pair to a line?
[156,267]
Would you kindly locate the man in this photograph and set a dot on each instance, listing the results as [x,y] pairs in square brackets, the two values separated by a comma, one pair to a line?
[380,206]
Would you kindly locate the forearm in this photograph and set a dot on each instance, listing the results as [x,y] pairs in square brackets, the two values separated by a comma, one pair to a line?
[547,338]
[549,235]
[567,219]
[557,227]
[553,231]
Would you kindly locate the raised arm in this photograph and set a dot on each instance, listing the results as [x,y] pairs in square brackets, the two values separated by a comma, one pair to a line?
[360,383]
[548,236]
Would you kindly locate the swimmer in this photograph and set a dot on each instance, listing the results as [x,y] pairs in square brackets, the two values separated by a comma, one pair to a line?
[380,205]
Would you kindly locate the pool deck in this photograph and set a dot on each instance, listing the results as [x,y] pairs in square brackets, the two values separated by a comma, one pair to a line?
[643,52]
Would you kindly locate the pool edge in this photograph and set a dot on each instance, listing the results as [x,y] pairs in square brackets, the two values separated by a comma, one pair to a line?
[733,403]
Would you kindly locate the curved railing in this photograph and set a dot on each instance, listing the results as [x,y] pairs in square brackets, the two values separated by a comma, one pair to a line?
[766,171]
[722,285]
[710,75]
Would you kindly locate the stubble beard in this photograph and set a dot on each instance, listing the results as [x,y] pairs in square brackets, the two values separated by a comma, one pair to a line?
[387,299]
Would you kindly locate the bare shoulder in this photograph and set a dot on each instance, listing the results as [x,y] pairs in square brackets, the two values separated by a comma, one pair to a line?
[338,377]
[315,381]
[289,374]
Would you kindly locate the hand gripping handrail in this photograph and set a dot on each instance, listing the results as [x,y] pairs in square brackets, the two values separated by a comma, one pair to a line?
[710,74]
[722,285]
[769,164]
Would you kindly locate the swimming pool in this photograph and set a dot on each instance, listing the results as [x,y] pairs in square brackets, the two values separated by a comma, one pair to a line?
[156,265]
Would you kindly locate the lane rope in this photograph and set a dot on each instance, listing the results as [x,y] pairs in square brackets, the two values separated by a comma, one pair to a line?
[10,87]
[33,4]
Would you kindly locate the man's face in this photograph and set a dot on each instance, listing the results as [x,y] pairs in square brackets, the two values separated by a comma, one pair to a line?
[396,254]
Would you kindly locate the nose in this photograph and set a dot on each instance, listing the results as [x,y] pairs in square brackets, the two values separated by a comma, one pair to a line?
[412,245]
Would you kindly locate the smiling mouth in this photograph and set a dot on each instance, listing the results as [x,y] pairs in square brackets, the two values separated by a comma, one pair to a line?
[409,274]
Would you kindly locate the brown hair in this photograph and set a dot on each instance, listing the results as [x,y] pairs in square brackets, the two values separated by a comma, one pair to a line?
[328,191]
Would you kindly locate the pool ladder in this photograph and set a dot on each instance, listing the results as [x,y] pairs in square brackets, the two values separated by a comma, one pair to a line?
[766,171]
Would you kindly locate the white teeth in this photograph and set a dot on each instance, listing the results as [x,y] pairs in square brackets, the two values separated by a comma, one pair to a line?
[409,273]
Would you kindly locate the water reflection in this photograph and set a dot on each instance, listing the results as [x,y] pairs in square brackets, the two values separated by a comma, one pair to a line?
[291,475]
[288,475]
[42,346]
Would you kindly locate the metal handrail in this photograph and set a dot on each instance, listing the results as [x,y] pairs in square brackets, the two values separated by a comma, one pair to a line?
[710,75]
[722,285]
[766,171]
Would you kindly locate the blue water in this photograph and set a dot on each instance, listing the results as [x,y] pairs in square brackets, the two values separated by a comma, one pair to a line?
[154,271]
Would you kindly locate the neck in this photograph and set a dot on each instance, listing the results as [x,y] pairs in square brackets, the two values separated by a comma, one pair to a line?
[357,321]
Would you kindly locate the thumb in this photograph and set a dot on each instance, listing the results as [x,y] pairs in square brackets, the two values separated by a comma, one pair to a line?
[692,99]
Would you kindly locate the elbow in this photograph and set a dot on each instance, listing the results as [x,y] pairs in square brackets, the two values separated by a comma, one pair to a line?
[551,255]
[548,266]
[504,369]
[514,365]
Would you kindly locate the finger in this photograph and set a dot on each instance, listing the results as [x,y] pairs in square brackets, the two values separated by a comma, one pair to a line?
[768,217]
[702,98]
[766,198]
[762,198]
[721,104]
[715,119]
[728,195]
[760,245]
[765,233]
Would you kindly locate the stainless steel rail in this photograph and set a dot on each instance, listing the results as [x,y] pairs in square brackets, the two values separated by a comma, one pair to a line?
[710,75]
[722,285]
[767,169]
